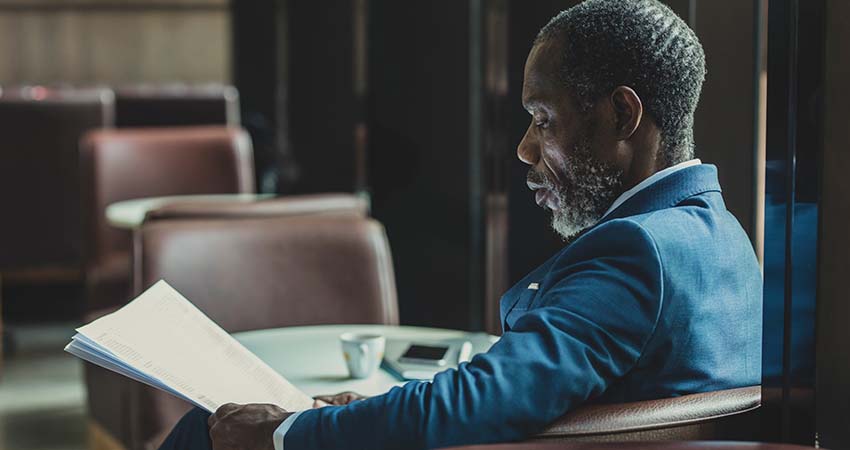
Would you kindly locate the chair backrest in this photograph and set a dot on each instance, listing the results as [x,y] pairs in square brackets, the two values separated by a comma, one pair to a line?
[39,182]
[135,163]
[688,417]
[264,272]
[176,105]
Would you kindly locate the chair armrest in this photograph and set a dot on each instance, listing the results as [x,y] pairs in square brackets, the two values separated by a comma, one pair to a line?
[654,414]
[296,205]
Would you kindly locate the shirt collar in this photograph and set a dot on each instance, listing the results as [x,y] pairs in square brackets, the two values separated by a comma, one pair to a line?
[648,181]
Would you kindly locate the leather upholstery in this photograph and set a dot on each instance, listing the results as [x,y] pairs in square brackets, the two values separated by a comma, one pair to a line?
[670,418]
[694,445]
[176,105]
[284,271]
[134,163]
[39,182]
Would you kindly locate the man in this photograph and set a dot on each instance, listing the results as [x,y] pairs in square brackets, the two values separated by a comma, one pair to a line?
[658,293]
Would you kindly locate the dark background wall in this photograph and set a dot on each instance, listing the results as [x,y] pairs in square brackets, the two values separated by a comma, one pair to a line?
[419,169]
[294,65]
[724,128]
[320,92]
[833,363]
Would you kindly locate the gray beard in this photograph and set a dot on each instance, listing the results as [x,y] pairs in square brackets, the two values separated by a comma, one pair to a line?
[589,188]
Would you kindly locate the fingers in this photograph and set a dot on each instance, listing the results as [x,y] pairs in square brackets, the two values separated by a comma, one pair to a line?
[341,399]
[221,412]
[350,397]
[215,431]
[245,427]
[226,409]
[317,403]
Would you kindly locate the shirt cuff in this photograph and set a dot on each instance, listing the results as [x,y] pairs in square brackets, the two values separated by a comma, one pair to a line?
[281,430]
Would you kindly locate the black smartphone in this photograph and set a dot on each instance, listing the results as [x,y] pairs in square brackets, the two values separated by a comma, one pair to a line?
[425,354]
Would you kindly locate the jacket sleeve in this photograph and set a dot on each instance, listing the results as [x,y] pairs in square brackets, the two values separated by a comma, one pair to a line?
[585,332]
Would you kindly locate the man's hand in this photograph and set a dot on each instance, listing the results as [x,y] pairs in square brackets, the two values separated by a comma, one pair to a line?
[245,427]
[340,399]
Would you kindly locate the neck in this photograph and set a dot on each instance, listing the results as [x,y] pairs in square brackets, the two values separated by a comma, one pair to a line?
[647,156]
[644,164]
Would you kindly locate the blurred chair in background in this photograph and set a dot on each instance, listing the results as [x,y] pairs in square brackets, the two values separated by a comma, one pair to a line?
[285,262]
[135,163]
[40,233]
[176,105]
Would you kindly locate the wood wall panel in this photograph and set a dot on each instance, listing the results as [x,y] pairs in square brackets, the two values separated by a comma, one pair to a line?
[114,42]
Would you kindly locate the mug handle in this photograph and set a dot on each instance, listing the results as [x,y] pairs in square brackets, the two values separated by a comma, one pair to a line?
[364,352]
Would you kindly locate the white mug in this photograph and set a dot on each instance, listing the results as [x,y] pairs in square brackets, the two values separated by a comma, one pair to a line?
[362,353]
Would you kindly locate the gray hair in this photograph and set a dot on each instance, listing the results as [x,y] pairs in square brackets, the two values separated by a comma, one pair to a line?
[641,44]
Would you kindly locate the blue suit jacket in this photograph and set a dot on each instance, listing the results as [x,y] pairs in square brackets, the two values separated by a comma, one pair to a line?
[661,298]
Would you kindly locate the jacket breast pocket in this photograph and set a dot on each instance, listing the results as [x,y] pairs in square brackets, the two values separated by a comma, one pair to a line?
[520,308]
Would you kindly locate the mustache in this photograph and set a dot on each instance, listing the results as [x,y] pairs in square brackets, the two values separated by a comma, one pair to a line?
[538,178]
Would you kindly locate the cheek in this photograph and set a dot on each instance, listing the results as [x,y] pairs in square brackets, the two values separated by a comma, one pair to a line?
[554,157]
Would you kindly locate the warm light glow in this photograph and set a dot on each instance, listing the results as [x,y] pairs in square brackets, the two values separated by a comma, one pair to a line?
[38,92]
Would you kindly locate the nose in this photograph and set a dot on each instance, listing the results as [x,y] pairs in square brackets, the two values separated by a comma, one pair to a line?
[528,150]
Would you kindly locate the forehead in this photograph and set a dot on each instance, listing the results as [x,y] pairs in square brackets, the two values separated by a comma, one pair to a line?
[541,82]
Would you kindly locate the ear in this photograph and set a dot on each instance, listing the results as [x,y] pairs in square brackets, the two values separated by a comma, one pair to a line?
[628,111]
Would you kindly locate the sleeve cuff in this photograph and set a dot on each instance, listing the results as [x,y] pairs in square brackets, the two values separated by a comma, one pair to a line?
[281,430]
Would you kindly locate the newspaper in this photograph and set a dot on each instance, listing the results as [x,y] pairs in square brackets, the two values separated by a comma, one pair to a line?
[163,340]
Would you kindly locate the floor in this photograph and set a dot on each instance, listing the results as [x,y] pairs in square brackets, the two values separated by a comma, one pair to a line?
[42,395]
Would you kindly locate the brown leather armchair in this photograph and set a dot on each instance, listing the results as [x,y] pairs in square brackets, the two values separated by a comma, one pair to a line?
[40,240]
[681,421]
[172,105]
[709,415]
[250,271]
[39,182]
[134,163]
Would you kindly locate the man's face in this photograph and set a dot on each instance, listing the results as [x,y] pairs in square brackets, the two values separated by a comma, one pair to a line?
[568,150]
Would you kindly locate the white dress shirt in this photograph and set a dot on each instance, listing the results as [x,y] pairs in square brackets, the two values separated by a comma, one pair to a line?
[280,432]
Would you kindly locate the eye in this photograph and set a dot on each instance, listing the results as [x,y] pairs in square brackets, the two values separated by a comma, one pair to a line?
[541,123]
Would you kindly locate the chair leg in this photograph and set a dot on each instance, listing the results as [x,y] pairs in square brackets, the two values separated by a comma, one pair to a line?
[7,342]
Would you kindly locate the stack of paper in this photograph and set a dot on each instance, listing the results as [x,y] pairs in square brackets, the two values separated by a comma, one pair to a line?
[164,341]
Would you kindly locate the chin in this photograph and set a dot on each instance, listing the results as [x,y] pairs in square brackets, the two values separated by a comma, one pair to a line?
[569,225]
[566,230]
